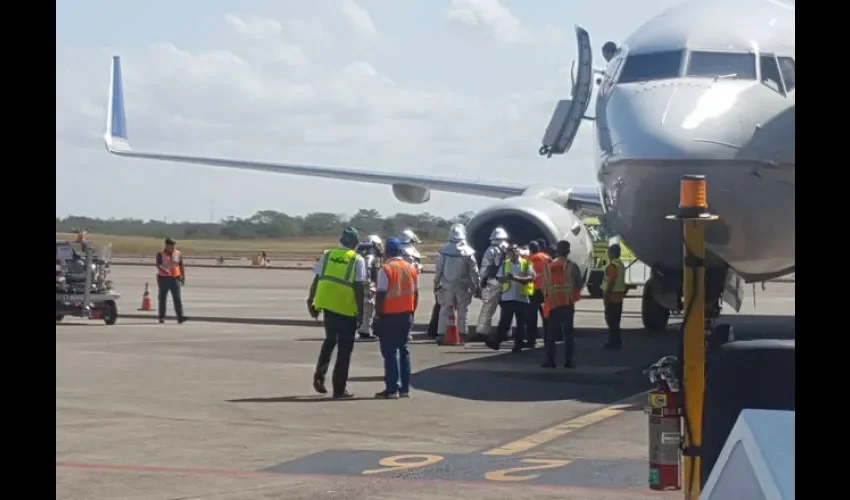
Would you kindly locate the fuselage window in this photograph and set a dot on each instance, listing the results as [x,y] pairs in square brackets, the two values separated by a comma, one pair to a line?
[789,74]
[770,73]
[729,65]
[655,66]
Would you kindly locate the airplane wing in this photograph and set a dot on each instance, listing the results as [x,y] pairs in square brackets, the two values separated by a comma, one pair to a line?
[117,143]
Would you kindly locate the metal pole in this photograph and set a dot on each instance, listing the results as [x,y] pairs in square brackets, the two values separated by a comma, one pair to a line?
[693,212]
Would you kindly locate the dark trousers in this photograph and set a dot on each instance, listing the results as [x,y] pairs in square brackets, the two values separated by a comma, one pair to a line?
[164,285]
[535,307]
[508,310]
[435,319]
[561,327]
[339,330]
[613,315]
[393,332]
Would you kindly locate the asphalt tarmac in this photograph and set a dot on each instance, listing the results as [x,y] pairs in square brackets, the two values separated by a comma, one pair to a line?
[222,406]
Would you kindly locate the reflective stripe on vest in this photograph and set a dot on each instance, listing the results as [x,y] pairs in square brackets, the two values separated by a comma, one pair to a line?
[401,287]
[559,283]
[619,281]
[539,262]
[526,290]
[335,287]
[171,262]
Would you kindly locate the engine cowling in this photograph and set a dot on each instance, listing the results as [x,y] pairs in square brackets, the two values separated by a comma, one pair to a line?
[408,193]
[529,218]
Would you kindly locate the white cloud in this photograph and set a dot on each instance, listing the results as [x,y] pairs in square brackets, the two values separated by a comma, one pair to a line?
[359,21]
[497,21]
[239,102]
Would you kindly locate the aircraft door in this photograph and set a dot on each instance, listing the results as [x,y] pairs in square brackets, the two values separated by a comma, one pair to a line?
[569,113]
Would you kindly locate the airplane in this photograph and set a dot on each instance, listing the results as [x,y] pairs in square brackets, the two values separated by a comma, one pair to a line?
[706,87]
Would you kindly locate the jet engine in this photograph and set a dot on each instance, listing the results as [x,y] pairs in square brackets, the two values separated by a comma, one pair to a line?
[526,219]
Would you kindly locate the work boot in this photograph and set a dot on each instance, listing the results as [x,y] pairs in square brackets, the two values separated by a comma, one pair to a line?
[386,395]
[343,395]
[365,336]
[492,344]
[181,320]
[161,321]
[319,384]
[548,364]
[404,395]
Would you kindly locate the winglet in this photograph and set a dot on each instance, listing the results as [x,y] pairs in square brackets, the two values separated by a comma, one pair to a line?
[116,120]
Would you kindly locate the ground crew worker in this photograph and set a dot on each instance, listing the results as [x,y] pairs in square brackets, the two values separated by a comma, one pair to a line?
[371,250]
[517,278]
[539,260]
[613,292]
[489,287]
[337,290]
[397,298]
[562,288]
[170,275]
[456,280]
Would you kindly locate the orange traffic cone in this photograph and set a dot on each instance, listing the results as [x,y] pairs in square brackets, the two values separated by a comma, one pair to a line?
[146,300]
[452,336]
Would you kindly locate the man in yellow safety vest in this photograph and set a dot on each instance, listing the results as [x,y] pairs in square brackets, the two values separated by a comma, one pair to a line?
[517,278]
[613,292]
[337,290]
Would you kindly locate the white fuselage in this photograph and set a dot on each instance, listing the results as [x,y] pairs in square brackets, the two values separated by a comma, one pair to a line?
[700,97]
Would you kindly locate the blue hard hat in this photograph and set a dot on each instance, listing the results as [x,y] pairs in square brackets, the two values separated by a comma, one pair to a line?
[393,245]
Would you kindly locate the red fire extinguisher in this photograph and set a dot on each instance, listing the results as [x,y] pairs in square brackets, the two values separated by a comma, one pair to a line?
[665,426]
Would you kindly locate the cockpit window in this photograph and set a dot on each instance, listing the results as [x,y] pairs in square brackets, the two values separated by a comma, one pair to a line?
[789,74]
[722,65]
[655,66]
[770,73]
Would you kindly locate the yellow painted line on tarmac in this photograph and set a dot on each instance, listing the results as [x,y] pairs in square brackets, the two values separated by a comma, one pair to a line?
[552,433]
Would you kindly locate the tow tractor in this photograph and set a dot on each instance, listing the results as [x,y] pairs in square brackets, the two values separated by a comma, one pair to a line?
[82,287]
[637,273]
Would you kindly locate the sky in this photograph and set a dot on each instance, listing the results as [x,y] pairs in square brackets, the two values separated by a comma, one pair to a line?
[455,88]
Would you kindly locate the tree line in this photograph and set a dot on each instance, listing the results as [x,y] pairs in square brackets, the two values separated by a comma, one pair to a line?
[269,224]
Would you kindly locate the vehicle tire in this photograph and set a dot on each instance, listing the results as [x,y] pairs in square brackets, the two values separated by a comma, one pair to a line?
[59,317]
[110,312]
[654,316]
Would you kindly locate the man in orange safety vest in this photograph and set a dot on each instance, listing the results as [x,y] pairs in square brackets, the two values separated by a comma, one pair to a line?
[562,288]
[395,304]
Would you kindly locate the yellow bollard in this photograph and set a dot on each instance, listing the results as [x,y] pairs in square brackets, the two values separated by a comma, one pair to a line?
[693,212]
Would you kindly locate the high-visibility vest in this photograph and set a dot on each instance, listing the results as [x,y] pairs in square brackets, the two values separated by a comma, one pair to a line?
[539,262]
[619,281]
[401,287]
[335,288]
[170,264]
[528,289]
[560,289]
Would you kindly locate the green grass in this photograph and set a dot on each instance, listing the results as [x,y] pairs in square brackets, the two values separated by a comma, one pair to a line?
[292,249]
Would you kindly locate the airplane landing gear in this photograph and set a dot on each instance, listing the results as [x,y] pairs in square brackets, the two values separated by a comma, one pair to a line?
[654,316]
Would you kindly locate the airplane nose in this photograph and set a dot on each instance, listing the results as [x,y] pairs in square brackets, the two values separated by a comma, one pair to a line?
[681,119]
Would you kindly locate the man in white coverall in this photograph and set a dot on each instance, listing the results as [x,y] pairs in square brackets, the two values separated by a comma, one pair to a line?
[372,250]
[409,252]
[491,289]
[456,280]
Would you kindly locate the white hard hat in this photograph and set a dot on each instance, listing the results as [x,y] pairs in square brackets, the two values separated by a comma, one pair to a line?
[375,239]
[499,234]
[457,233]
[408,237]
